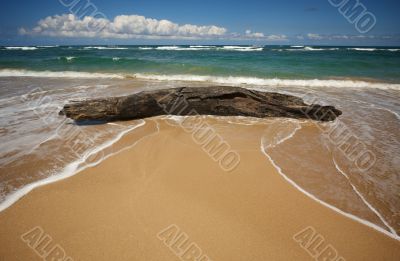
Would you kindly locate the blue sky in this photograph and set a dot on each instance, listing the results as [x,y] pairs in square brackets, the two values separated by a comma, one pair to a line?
[215,22]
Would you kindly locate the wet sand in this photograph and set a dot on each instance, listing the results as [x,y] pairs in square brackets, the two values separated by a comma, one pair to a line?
[117,209]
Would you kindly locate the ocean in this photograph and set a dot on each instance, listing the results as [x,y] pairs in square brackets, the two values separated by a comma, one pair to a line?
[352,165]
[241,64]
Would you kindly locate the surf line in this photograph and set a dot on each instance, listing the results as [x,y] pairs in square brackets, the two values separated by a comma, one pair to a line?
[348,215]
[69,170]
[294,184]
[364,200]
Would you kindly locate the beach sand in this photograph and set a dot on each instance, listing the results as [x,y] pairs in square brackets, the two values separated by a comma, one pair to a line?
[163,179]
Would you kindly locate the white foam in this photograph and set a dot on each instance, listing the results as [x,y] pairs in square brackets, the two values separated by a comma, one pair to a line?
[46,46]
[307,48]
[70,58]
[362,49]
[24,48]
[297,46]
[320,49]
[386,109]
[202,46]
[177,48]
[232,80]
[370,49]
[276,82]
[116,58]
[104,48]
[52,74]
[355,218]
[167,47]
[242,48]
[70,170]
[288,137]
[364,200]
[313,49]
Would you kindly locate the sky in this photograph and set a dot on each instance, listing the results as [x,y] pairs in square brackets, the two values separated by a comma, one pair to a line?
[257,22]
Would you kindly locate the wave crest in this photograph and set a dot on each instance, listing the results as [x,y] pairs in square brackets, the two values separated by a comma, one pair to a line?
[232,80]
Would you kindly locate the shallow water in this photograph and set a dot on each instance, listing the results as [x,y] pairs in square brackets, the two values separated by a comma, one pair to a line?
[351,164]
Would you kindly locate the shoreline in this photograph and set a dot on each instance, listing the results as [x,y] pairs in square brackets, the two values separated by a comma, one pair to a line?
[129,143]
[243,81]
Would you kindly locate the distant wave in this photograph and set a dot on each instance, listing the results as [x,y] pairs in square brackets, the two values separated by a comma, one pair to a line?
[243,48]
[233,80]
[307,48]
[237,80]
[205,48]
[70,58]
[168,48]
[178,48]
[23,48]
[320,49]
[47,46]
[297,48]
[372,49]
[104,48]
[202,46]
[363,49]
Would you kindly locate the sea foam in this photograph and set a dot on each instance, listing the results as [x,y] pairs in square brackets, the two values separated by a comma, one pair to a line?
[53,74]
[231,80]
[23,48]
[264,147]
[70,170]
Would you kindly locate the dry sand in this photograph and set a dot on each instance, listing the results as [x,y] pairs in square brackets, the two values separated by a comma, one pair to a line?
[115,210]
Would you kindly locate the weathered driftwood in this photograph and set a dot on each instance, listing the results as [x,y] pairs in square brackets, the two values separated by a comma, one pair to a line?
[219,100]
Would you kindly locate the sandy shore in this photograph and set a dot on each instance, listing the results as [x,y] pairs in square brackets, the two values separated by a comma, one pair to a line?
[164,198]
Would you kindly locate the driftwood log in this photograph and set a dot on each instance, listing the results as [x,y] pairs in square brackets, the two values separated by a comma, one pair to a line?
[220,100]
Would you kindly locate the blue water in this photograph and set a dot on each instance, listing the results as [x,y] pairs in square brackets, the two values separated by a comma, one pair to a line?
[282,62]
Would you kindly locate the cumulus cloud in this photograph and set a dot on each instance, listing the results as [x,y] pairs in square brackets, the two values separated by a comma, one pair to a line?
[344,37]
[135,27]
[314,36]
[276,37]
[123,26]
[250,34]
[260,36]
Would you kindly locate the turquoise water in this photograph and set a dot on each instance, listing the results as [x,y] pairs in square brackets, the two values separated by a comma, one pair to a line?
[282,62]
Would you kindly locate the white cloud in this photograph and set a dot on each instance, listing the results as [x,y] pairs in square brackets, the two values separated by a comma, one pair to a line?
[276,37]
[135,26]
[314,36]
[123,26]
[345,37]
[250,34]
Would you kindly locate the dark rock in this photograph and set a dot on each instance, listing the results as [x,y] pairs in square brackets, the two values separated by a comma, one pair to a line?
[220,100]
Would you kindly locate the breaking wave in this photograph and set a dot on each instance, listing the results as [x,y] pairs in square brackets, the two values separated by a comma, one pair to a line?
[23,48]
[232,80]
